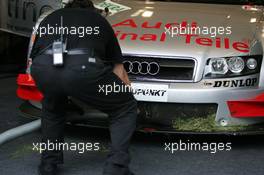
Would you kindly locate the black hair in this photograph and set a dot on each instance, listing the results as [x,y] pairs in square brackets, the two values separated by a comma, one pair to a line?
[80,4]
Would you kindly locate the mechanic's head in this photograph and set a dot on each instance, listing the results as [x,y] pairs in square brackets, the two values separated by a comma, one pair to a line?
[80,4]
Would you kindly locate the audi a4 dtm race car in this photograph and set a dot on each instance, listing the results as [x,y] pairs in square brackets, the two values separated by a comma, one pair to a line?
[195,67]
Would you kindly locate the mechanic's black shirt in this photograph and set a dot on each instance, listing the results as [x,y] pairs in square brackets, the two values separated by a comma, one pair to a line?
[83,28]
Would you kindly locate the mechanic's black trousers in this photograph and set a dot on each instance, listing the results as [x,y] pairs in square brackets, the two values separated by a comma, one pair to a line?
[85,81]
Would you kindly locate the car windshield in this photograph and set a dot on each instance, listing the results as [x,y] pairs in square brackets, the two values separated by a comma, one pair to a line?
[235,2]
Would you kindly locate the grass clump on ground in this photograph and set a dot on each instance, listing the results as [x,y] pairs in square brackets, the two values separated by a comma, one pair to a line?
[202,124]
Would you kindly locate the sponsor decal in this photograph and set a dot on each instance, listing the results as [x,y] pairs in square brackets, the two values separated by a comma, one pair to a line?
[250,82]
[217,42]
[112,6]
[208,83]
[150,92]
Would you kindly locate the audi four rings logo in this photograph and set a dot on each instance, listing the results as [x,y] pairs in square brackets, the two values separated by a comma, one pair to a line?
[143,68]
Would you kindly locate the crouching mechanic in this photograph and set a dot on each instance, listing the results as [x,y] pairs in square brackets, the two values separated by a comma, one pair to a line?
[88,63]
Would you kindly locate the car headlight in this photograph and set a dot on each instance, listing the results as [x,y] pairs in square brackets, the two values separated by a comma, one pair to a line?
[232,66]
[218,65]
[236,64]
[252,63]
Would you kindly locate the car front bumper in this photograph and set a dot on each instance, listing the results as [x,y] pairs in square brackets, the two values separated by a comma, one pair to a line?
[218,103]
[248,99]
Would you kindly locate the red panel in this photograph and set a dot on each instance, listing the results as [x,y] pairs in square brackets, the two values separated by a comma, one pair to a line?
[27,89]
[25,80]
[247,108]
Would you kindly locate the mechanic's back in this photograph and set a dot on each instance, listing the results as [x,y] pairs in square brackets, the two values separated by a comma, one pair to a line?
[91,62]
[83,28]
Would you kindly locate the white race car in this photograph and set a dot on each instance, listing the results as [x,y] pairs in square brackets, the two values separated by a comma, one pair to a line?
[195,67]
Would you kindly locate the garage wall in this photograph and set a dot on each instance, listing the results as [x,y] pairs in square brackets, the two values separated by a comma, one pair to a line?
[3,42]
[13,52]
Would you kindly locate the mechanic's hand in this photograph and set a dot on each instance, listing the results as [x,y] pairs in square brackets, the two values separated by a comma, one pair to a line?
[120,71]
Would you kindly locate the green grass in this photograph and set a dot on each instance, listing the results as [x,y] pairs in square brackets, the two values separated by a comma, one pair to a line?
[22,151]
[104,149]
[202,124]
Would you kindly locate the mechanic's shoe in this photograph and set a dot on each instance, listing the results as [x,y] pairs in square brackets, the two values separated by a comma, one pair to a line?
[127,174]
[47,169]
[114,169]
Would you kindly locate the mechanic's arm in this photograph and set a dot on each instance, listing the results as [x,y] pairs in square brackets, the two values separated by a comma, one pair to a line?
[120,71]
[113,52]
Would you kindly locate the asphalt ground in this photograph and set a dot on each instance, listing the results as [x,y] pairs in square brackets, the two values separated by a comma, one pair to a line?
[149,156]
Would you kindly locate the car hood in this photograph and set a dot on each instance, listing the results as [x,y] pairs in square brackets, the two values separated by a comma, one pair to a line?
[140,28]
